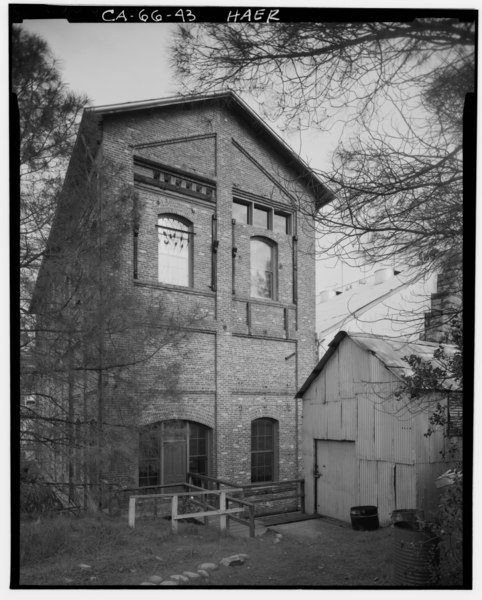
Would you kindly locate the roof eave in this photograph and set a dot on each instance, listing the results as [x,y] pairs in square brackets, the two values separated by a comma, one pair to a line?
[332,346]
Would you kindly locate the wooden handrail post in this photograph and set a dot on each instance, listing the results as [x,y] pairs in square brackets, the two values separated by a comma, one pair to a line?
[252,526]
[132,512]
[175,524]
[222,507]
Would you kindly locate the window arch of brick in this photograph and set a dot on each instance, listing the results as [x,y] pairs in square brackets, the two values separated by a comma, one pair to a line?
[263,268]
[175,250]
[195,438]
[264,450]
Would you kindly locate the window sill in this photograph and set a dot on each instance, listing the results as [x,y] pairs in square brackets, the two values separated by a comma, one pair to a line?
[265,302]
[173,288]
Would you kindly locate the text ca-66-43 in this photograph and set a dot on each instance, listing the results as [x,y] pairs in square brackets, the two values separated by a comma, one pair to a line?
[183,15]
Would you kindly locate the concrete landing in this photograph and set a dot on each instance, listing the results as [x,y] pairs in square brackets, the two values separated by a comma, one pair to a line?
[314,530]
[282,518]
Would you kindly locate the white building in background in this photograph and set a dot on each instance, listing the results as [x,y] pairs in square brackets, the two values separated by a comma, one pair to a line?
[387,302]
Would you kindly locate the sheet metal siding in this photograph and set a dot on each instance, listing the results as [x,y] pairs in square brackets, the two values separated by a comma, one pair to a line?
[368,478]
[405,487]
[308,446]
[333,420]
[385,490]
[384,429]
[348,365]
[338,484]
[396,465]
[365,446]
[332,379]
[349,419]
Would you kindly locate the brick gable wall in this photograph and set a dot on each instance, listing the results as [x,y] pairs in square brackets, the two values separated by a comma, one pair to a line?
[247,357]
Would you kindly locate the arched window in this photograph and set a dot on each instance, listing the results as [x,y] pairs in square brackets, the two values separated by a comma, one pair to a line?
[264,450]
[169,449]
[263,268]
[174,250]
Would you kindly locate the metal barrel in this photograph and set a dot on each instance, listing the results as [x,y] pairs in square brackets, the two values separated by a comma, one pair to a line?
[415,555]
[364,518]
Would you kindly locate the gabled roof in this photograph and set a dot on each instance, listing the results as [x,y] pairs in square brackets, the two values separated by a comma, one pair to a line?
[390,351]
[235,103]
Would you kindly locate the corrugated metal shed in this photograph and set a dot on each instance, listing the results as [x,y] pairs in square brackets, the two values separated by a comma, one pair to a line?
[351,397]
[390,351]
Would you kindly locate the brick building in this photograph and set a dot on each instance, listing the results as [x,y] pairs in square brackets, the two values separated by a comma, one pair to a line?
[217,231]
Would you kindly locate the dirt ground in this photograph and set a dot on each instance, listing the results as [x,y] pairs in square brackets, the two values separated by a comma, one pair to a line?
[309,554]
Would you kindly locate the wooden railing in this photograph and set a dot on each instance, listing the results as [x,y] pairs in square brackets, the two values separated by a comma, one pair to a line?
[193,493]
[292,489]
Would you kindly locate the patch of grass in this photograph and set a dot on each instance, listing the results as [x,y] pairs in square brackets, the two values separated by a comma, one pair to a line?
[121,556]
[41,540]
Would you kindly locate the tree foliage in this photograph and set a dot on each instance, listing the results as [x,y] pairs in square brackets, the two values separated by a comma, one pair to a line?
[48,119]
[94,348]
[399,90]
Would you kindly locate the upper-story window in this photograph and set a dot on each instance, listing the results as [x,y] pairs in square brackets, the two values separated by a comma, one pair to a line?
[261,217]
[263,268]
[241,212]
[174,250]
[251,213]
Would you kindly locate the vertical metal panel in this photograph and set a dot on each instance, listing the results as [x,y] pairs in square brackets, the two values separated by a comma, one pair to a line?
[368,482]
[366,428]
[386,491]
[349,419]
[346,368]
[332,381]
[309,410]
[405,489]
[322,421]
[338,484]
[321,389]
[384,425]
[308,446]
[361,372]
[403,443]
[421,443]
[333,415]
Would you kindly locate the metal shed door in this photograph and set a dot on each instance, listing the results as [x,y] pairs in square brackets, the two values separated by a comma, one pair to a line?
[337,482]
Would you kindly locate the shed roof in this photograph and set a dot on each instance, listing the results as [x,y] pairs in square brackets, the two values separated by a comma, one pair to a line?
[390,351]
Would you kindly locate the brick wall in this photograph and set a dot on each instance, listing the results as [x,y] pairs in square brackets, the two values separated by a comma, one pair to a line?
[249,356]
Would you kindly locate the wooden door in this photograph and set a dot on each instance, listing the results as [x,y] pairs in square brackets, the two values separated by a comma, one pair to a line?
[174,466]
[337,482]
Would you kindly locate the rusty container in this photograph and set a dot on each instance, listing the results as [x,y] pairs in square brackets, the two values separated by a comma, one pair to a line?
[415,555]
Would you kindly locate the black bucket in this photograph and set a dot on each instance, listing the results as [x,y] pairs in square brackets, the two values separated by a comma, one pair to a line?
[415,555]
[364,518]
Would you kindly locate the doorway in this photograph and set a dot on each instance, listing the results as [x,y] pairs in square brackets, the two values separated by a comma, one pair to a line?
[169,449]
[336,478]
